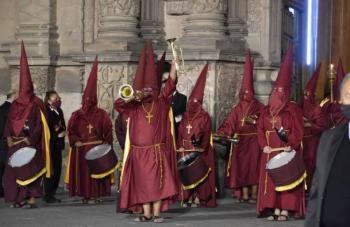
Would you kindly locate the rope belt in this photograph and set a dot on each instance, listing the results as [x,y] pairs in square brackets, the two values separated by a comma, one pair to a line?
[159,159]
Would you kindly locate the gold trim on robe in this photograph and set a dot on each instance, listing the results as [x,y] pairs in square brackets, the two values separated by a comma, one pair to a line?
[126,151]
[66,176]
[46,134]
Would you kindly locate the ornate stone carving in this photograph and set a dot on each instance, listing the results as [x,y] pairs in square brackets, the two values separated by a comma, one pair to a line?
[177,7]
[207,6]
[119,7]
[254,15]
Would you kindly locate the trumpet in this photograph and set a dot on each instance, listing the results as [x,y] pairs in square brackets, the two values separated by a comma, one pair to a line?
[174,49]
[126,92]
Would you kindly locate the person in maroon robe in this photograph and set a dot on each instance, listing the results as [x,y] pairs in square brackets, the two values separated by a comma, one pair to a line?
[196,125]
[242,171]
[333,108]
[147,182]
[88,126]
[280,114]
[25,128]
[315,123]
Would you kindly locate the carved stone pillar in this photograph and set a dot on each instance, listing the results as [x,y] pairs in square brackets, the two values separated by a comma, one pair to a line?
[237,22]
[205,28]
[152,22]
[37,28]
[118,25]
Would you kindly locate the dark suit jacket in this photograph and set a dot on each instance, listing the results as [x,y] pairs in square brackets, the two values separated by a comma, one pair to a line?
[4,110]
[326,152]
[179,104]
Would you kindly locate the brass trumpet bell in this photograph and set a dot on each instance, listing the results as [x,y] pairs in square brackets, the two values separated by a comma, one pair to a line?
[126,92]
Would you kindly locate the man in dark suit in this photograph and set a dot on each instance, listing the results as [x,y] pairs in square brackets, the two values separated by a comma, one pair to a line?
[57,126]
[4,109]
[329,201]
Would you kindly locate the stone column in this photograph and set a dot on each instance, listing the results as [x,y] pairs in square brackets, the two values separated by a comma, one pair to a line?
[152,22]
[237,23]
[37,28]
[117,25]
[205,27]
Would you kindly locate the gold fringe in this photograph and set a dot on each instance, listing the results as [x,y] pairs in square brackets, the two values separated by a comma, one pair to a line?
[31,180]
[47,136]
[191,186]
[103,175]
[292,185]
[172,125]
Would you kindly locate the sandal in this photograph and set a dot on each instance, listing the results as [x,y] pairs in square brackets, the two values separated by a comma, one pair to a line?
[273,217]
[84,201]
[282,218]
[29,206]
[142,218]
[16,205]
[158,219]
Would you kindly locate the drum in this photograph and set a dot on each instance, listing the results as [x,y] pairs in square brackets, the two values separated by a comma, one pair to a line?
[27,164]
[192,170]
[101,160]
[287,170]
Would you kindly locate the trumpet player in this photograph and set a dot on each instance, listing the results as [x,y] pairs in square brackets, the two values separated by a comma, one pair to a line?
[242,170]
[147,181]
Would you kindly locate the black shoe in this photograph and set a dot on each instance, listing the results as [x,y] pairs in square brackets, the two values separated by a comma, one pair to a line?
[1,194]
[52,200]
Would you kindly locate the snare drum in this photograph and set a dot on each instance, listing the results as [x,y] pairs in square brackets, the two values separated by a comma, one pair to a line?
[192,170]
[287,170]
[27,164]
[102,161]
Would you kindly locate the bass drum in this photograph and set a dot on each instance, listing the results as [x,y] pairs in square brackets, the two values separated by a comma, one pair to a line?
[192,170]
[102,161]
[27,164]
[287,170]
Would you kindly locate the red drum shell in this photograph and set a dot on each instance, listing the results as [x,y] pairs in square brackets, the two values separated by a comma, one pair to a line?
[289,173]
[194,172]
[102,164]
[31,169]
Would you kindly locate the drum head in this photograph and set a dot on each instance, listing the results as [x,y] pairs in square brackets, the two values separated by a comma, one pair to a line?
[22,157]
[98,151]
[281,159]
[187,160]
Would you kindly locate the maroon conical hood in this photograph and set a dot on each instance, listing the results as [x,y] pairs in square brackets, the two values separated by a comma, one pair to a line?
[198,89]
[247,87]
[90,93]
[280,93]
[138,79]
[150,79]
[26,90]
[339,78]
[312,83]
[160,70]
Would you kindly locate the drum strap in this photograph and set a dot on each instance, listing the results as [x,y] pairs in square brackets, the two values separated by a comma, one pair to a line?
[159,158]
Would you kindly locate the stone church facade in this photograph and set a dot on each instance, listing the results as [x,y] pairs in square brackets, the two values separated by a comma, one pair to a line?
[63,36]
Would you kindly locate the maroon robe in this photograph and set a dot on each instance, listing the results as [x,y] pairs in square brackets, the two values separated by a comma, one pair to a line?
[200,123]
[291,118]
[243,165]
[334,113]
[80,183]
[147,175]
[13,192]
[319,122]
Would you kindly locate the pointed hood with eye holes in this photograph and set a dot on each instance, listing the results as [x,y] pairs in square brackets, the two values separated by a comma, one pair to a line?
[89,101]
[281,91]
[310,87]
[196,98]
[247,87]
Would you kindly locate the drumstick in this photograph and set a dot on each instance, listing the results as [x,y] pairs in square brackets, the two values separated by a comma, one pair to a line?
[92,143]
[280,149]
[190,150]
[18,142]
